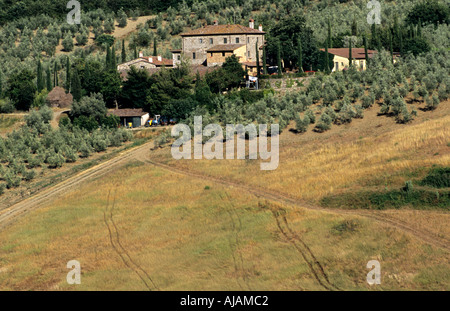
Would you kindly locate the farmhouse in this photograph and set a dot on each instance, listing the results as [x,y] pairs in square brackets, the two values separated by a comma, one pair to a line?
[144,62]
[212,44]
[131,117]
[341,56]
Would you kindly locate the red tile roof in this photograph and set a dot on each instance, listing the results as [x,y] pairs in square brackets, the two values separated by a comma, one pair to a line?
[224,47]
[127,112]
[156,62]
[222,30]
[357,53]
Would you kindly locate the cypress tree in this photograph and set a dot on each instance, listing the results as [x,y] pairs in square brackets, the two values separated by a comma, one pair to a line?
[366,54]
[68,74]
[391,48]
[373,39]
[257,59]
[350,56]
[1,86]
[108,58]
[135,53]
[264,60]
[55,75]
[419,28]
[155,48]
[76,86]
[300,55]
[124,55]
[327,63]
[329,35]
[279,58]
[113,58]
[400,37]
[49,79]
[40,80]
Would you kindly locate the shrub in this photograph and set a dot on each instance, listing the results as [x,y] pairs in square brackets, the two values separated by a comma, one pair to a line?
[324,123]
[29,175]
[368,101]
[437,177]
[6,106]
[301,126]
[55,160]
[85,150]
[311,116]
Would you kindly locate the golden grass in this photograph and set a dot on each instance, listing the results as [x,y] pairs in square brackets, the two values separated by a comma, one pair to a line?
[189,238]
[313,165]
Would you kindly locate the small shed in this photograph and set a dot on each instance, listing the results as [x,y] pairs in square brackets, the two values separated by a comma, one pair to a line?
[59,98]
[133,117]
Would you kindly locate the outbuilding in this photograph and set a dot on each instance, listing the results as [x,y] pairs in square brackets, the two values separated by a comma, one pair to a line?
[131,117]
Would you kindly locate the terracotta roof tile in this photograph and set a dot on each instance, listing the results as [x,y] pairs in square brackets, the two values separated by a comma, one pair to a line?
[224,47]
[222,30]
[357,53]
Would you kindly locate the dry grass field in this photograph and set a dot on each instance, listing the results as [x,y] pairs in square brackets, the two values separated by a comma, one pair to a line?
[143,227]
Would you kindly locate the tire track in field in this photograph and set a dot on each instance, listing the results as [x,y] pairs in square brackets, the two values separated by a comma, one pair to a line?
[114,238]
[239,267]
[301,247]
[11,213]
[420,233]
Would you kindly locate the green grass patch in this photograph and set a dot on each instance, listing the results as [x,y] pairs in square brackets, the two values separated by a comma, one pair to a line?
[438,177]
[391,199]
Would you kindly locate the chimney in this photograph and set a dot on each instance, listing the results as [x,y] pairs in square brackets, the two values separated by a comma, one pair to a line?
[159,58]
[141,54]
[150,59]
[251,23]
[216,22]
[260,27]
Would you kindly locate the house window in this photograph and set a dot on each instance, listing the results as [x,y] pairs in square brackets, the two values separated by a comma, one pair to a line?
[248,53]
[193,55]
[248,40]
[223,53]
[200,40]
[225,40]
[336,66]
[237,40]
[211,41]
[179,57]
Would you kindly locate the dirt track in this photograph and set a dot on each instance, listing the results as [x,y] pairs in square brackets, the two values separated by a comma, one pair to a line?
[141,153]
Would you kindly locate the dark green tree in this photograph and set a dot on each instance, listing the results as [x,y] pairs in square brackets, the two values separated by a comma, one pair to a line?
[350,56]
[21,89]
[155,48]
[40,77]
[124,55]
[279,58]
[76,86]
[49,79]
[68,74]
[299,56]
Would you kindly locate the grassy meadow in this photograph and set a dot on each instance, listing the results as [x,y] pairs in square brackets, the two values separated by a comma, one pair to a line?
[142,227]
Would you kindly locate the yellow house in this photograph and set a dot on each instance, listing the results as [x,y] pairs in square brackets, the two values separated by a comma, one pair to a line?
[217,54]
[341,58]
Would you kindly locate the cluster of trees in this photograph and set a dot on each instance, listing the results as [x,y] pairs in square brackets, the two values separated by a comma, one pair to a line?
[34,146]
[343,96]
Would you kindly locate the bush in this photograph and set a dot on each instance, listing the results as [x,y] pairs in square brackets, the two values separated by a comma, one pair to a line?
[55,160]
[29,175]
[301,126]
[438,178]
[85,150]
[6,106]
[324,123]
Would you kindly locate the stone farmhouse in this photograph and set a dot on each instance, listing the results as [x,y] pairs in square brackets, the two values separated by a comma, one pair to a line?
[341,56]
[144,62]
[212,44]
